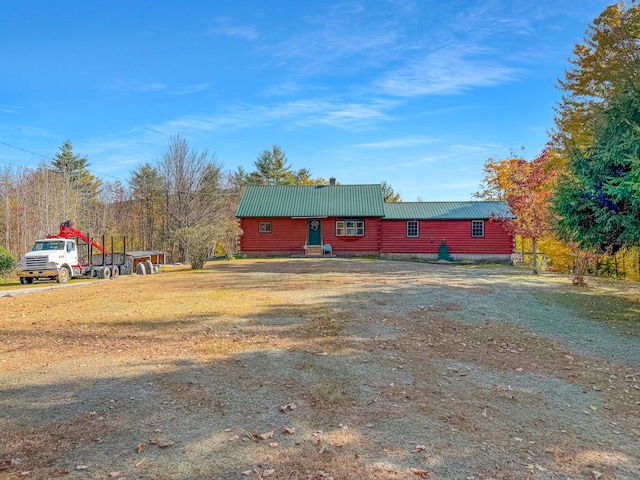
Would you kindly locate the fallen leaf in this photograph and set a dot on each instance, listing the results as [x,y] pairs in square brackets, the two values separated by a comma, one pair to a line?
[140,462]
[140,447]
[421,473]
[265,436]
[246,473]
[593,407]
[267,473]
[82,467]
[61,472]
[289,430]
[273,444]
[114,474]
[165,443]
[419,448]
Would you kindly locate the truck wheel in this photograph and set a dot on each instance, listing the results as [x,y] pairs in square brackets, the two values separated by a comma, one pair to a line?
[23,281]
[115,271]
[106,273]
[63,275]
[28,280]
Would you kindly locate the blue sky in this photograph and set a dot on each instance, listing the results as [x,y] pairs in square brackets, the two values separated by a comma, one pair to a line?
[418,93]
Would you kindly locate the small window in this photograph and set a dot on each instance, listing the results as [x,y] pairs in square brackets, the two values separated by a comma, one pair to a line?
[412,228]
[350,228]
[477,228]
[71,247]
[264,227]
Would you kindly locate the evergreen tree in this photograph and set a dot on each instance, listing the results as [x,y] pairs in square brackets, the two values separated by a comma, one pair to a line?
[272,168]
[598,200]
[75,173]
[604,64]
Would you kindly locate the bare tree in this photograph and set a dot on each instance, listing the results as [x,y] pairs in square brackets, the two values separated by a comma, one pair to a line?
[146,193]
[191,192]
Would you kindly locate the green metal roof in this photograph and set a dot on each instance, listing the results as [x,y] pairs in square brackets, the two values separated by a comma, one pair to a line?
[446,210]
[311,201]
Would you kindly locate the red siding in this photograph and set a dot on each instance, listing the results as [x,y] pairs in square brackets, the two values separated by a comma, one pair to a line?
[367,245]
[457,234]
[289,235]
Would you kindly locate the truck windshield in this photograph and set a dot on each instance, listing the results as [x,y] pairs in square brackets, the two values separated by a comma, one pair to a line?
[53,245]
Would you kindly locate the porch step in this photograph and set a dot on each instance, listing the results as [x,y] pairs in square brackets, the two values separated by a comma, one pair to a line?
[314,250]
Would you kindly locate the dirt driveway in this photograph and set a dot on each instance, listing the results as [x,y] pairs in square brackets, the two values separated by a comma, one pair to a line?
[322,369]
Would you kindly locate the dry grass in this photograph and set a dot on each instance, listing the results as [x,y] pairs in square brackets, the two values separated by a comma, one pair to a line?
[361,369]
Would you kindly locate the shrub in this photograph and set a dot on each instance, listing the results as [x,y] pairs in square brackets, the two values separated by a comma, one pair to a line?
[199,242]
[7,262]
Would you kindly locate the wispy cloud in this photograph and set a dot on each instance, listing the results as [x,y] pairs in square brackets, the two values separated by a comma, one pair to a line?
[135,86]
[27,131]
[495,17]
[296,114]
[8,109]
[347,31]
[155,87]
[404,142]
[189,89]
[231,28]
[448,71]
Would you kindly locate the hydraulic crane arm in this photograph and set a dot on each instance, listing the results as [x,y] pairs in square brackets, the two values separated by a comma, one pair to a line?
[67,231]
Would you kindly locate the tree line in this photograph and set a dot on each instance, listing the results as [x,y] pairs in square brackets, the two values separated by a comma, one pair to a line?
[580,198]
[184,203]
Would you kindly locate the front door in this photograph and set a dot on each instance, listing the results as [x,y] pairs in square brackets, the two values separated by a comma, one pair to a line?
[315,231]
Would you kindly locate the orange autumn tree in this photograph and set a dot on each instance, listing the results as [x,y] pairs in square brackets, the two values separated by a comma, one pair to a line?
[532,185]
[496,181]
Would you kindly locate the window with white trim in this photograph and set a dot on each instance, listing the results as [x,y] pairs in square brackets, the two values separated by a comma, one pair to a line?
[350,228]
[477,228]
[264,227]
[412,229]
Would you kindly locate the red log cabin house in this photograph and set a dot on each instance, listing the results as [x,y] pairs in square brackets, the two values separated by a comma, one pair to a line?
[349,220]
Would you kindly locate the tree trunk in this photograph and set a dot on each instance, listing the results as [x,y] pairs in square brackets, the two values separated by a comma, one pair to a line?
[535,256]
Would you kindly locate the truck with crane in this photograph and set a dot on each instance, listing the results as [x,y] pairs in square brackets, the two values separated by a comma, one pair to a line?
[69,254]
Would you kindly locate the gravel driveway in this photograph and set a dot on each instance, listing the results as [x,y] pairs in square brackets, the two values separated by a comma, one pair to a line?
[322,369]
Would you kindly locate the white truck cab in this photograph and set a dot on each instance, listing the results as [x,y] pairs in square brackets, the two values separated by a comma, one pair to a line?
[51,258]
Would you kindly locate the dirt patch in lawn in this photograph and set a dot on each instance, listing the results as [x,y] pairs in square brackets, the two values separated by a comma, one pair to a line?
[322,369]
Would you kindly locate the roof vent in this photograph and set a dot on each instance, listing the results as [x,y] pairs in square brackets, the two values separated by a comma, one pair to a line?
[332,181]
